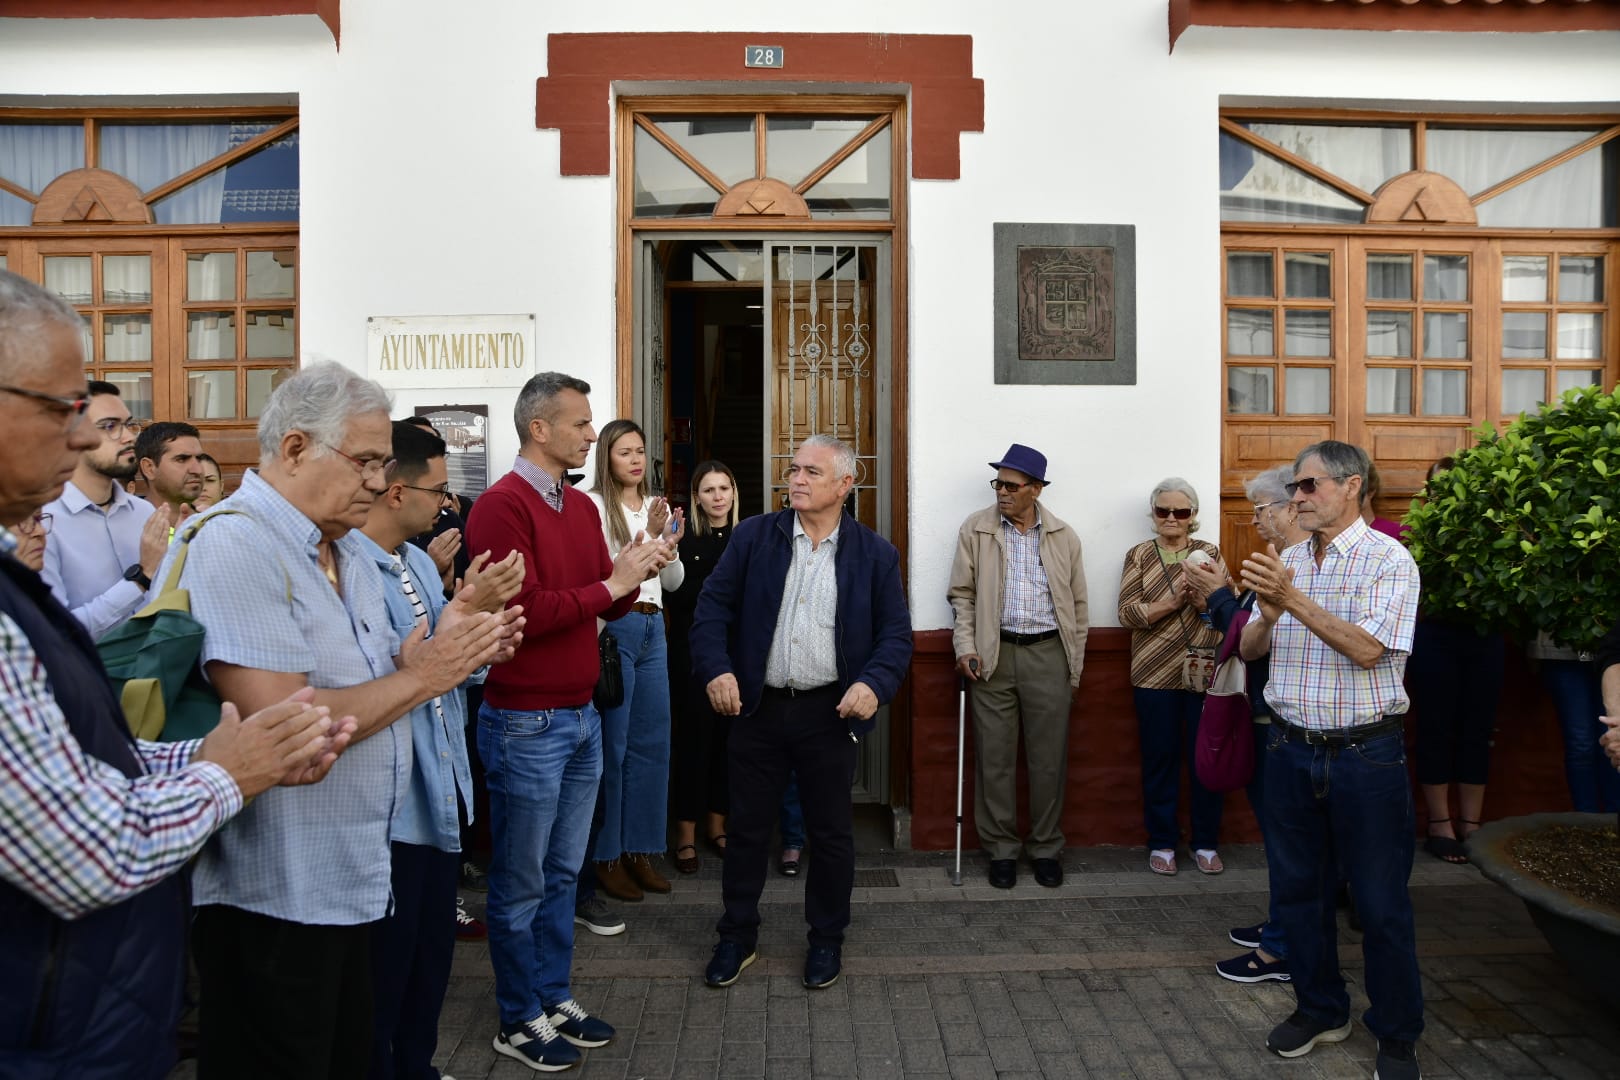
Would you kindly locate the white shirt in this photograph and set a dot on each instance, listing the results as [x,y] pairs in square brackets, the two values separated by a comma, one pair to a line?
[670,577]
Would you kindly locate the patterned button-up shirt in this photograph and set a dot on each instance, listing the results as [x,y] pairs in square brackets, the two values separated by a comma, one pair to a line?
[804,649]
[1370,581]
[316,854]
[549,487]
[1026,598]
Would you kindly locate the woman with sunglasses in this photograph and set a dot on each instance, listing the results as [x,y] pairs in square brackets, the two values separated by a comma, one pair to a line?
[1168,619]
[30,535]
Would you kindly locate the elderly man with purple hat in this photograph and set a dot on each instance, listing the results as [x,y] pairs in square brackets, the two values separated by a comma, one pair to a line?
[1018,588]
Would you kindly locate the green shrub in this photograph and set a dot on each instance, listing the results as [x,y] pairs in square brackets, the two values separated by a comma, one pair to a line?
[1520,535]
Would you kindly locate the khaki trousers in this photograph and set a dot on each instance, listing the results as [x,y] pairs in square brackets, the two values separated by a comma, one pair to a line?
[1030,683]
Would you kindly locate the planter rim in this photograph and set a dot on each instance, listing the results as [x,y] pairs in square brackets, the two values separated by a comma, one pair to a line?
[1487,850]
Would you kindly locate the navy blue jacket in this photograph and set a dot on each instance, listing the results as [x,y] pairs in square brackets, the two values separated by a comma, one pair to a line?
[736,612]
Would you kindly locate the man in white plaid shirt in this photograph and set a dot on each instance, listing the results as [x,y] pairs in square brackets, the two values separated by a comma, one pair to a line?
[1336,616]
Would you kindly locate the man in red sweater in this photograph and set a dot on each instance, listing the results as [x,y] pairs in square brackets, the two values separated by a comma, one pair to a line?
[539,736]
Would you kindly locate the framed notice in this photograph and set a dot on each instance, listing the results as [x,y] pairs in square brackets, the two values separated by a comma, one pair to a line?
[415,352]
[465,431]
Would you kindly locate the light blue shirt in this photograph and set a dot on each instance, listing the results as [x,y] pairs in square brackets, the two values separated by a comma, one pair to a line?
[1026,595]
[315,854]
[87,552]
[429,815]
[804,648]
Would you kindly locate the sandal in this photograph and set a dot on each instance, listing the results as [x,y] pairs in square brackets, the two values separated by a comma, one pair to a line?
[717,844]
[1469,834]
[690,864]
[1209,861]
[1445,848]
[1161,863]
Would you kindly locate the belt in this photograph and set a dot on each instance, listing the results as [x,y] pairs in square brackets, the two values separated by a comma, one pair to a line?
[799,691]
[646,607]
[1027,639]
[1339,737]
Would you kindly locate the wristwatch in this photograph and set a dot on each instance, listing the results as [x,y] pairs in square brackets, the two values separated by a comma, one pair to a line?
[138,576]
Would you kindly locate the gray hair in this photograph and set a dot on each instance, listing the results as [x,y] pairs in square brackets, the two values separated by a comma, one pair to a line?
[843,456]
[319,401]
[538,399]
[1270,486]
[1175,483]
[25,310]
[1342,460]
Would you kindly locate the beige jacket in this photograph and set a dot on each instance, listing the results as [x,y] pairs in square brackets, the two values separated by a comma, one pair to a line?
[976,576]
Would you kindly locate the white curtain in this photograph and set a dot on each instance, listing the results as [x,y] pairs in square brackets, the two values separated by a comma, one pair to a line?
[1309,391]
[151,154]
[1445,393]
[31,156]
[1389,391]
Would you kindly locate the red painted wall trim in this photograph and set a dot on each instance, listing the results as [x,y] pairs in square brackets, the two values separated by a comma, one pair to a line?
[945,98]
[327,10]
[1489,16]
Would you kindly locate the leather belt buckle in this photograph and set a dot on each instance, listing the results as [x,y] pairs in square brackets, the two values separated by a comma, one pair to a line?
[645,607]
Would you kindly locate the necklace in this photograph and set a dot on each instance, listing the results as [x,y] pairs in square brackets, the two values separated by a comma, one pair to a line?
[328,566]
[111,495]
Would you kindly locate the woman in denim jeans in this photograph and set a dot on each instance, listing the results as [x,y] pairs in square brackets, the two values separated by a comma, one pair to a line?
[1572,681]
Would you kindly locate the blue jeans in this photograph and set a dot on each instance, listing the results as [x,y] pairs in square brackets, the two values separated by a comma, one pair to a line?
[790,820]
[1349,809]
[1575,686]
[635,744]
[1271,935]
[1167,724]
[542,768]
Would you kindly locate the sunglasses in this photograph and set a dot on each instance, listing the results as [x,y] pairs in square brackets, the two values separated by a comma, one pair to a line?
[1307,484]
[1009,486]
[1180,513]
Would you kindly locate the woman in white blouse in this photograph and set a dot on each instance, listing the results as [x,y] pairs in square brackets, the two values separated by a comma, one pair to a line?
[635,735]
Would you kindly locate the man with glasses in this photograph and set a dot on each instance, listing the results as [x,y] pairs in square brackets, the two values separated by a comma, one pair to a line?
[169,457]
[1337,615]
[105,544]
[1018,588]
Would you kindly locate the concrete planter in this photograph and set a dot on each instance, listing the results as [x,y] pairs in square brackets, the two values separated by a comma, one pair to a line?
[1585,936]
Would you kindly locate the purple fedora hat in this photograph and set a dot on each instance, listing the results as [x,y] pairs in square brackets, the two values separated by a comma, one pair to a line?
[1027,460]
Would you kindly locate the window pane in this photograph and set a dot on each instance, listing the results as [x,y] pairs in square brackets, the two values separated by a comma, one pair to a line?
[269,335]
[260,187]
[796,145]
[722,144]
[1365,156]
[1572,196]
[858,187]
[1477,158]
[88,340]
[665,187]
[69,277]
[1524,278]
[15,211]
[211,335]
[1524,334]
[1389,391]
[1523,391]
[211,395]
[1249,332]
[1580,335]
[126,279]
[1571,380]
[714,260]
[2,260]
[1389,277]
[32,155]
[1580,279]
[211,275]
[1308,391]
[1389,333]
[1445,277]
[1445,393]
[1250,390]
[1258,187]
[149,155]
[1307,333]
[1445,335]
[126,338]
[1307,275]
[260,383]
[1248,273]
[270,274]
[135,387]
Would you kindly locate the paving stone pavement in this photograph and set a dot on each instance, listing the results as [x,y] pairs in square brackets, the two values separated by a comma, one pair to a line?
[1111,975]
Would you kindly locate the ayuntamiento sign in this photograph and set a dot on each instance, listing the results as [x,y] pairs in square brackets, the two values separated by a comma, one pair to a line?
[449,351]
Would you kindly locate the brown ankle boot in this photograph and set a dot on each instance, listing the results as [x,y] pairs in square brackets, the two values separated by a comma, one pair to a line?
[613,879]
[646,875]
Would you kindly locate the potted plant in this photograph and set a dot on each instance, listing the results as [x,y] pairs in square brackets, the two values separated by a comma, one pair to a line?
[1522,535]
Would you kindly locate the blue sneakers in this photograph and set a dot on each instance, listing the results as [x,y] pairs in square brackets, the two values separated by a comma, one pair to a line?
[536,1044]
[572,1022]
[727,965]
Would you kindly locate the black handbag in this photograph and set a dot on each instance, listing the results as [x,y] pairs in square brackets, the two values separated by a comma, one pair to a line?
[610,681]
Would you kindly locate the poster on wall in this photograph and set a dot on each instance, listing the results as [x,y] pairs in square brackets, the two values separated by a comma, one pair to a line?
[465,431]
[417,352]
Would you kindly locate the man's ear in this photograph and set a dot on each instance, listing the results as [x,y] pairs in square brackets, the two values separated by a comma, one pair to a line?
[147,468]
[296,446]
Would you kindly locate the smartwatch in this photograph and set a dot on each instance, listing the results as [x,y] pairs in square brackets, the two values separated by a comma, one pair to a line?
[138,576]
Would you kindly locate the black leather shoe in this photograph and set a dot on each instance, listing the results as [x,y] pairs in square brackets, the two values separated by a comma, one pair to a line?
[821,966]
[730,957]
[1003,873]
[1048,872]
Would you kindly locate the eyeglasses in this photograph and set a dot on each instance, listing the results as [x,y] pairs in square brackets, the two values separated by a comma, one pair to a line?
[37,525]
[1009,486]
[1180,513]
[73,407]
[369,469]
[443,494]
[111,426]
[1307,484]
[1259,508]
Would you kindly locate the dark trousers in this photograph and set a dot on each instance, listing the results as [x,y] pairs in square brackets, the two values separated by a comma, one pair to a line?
[697,775]
[282,999]
[1354,803]
[1455,678]
[1167,725]
[411,952]
[805,735]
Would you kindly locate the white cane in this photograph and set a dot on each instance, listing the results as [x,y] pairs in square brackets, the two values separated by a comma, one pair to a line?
[961,753]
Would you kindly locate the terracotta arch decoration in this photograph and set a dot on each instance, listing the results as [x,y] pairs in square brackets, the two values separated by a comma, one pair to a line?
[91,195]
[574,97]
[1421,198]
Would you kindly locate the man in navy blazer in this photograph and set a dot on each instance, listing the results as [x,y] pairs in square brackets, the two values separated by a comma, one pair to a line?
[801,632]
